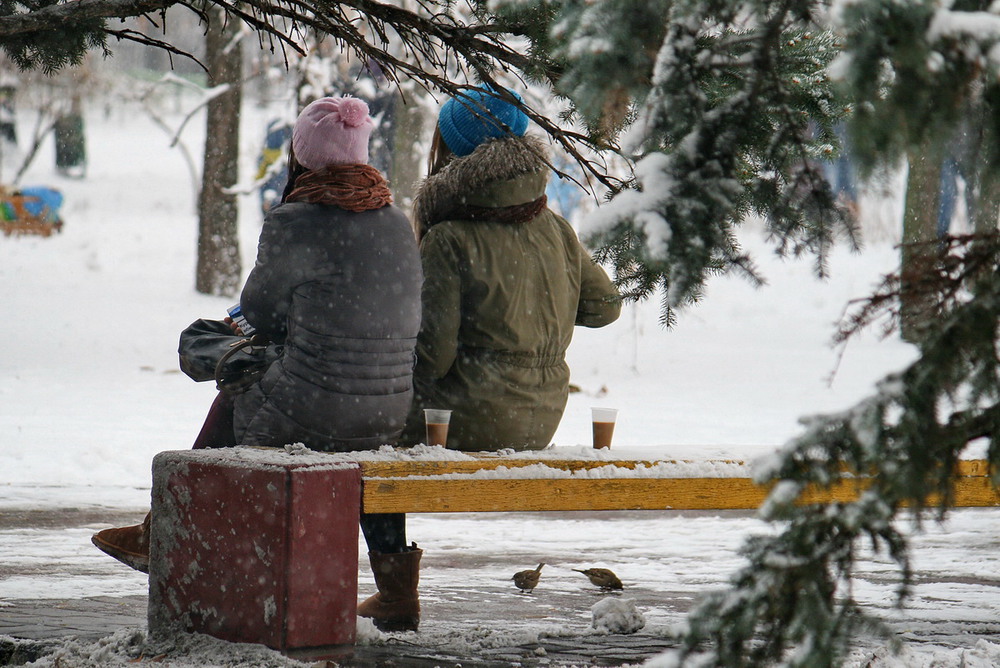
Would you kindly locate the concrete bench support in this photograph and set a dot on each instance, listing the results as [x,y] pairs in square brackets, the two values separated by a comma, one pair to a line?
[255,546]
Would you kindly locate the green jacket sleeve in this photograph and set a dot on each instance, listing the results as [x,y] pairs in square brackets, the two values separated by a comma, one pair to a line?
[437,343]
[600,303]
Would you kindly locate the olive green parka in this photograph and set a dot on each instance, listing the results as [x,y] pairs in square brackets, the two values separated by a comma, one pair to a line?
[500,300]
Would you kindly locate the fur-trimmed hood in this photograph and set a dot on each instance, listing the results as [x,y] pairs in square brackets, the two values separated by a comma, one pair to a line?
[499,173]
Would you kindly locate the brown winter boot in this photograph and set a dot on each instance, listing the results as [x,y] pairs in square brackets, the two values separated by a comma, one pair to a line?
[129,545]
[396,606]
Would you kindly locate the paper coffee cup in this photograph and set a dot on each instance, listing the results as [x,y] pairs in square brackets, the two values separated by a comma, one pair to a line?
[437,420]
[604,425]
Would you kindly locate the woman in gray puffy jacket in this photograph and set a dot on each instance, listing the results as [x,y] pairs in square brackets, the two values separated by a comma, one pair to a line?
[337,285]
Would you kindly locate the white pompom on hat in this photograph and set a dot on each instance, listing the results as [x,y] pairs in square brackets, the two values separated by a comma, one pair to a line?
[332,131]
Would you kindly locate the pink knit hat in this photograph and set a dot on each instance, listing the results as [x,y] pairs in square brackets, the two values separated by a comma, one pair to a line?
[332,131]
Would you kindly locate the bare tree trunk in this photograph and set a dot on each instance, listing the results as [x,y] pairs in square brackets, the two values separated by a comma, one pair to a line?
[219,271]
[408,160]
[919,225]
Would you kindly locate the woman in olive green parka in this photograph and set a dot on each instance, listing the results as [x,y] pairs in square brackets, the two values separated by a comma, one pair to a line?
[505,282]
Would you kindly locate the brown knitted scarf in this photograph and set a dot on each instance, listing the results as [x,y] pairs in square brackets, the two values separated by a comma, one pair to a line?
[351,187]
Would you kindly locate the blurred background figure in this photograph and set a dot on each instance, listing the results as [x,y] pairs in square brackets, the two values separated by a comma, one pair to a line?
[8,114]
[272,164]
[841,174]
[71,144]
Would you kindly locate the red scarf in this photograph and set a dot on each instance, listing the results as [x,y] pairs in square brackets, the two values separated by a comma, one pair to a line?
[350,187]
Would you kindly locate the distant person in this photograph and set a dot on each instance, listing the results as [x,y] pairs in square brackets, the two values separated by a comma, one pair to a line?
[963,158]
[272,163]
[8,111]
[337,283]
[383,99]
[70,141]
[842,174]
[962,154]
[951,170]
[505,282]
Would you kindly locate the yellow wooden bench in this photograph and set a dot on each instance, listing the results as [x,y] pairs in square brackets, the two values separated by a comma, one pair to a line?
[272,533]
[487,482]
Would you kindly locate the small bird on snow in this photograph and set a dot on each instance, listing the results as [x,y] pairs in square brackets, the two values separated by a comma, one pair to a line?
[602,577]
[527,580]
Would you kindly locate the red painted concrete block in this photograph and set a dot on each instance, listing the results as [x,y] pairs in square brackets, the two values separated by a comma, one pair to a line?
[255,545]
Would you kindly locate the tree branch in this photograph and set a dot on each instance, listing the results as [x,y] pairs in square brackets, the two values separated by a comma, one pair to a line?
[67,14]
[438,48]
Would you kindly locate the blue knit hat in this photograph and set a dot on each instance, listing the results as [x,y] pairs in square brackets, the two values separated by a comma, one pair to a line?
[466,122]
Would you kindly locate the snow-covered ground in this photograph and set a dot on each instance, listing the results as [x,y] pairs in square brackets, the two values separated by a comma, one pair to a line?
[90,391]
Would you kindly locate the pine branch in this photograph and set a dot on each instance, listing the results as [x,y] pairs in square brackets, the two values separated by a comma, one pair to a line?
[963,427]
[906,440]
[940,278]
[67,14]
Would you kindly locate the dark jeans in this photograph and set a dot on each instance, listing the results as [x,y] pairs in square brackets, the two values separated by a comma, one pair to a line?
[948,195]
[384,533]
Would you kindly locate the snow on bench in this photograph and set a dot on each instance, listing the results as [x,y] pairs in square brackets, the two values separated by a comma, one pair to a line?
[436,480]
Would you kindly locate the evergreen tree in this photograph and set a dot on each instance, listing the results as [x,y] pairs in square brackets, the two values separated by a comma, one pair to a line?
[725,107]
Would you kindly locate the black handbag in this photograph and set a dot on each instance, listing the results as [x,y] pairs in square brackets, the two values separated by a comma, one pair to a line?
[209,350]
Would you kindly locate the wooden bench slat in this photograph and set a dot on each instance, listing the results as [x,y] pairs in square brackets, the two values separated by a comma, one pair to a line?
[417,494]
[398,495]
[401,468]
[490,462]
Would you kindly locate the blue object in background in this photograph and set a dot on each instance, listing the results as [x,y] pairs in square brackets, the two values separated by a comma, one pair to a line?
[840,171]
[42,202]
[951,170]
[274,152]
[564,194]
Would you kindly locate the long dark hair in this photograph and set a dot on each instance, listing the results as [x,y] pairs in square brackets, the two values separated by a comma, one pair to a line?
[440,155]
[295,170]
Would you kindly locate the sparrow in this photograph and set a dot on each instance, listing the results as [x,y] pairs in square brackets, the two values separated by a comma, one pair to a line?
[602,578]
[527,580]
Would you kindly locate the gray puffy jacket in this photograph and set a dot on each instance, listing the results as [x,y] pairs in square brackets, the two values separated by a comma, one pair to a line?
[341,291]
